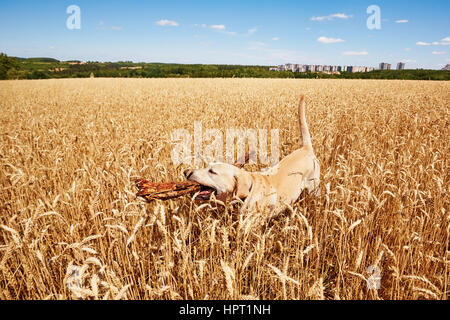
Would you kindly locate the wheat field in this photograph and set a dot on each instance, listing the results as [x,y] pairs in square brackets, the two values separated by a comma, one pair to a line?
[72,228]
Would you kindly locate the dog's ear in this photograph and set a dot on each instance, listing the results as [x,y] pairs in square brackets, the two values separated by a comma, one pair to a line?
[243,185]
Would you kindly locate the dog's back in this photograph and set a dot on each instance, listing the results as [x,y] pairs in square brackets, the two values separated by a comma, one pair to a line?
[300,169]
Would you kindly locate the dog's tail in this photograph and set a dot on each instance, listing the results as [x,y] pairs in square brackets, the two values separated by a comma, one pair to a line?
[306,138]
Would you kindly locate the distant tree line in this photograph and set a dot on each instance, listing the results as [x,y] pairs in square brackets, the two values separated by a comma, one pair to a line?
[46,68]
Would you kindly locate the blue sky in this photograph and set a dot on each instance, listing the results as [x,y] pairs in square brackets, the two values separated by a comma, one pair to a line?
[230,32]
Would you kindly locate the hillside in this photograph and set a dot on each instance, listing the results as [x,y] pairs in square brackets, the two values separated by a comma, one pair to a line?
[46,68]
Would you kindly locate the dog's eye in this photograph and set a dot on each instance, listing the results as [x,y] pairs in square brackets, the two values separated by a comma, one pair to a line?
[212,171]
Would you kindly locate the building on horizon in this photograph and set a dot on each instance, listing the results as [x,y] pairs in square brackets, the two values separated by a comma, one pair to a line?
[401,66]
[329,69]
[385,66]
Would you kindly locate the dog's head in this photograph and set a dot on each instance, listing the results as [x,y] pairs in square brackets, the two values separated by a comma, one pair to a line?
[222,179]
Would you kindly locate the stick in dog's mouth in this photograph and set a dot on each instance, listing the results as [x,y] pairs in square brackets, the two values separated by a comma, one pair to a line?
[170,190]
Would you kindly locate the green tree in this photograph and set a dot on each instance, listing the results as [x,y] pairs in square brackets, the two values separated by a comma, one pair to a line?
[13,74]
[7,63]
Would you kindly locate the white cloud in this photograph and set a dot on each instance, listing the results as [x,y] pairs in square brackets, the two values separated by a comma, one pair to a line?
[331,17]
[203,25]
[166,22]
[340,16]
[401,21]
[223,29]
[409,61]
[355,53]
[317,18]
[218,27]
[329,40]
[439,52]
[408,49]
[252,30]
[116,28]
[275,38]
[443,42]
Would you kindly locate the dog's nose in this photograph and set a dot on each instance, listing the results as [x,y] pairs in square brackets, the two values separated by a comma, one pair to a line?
[187,173]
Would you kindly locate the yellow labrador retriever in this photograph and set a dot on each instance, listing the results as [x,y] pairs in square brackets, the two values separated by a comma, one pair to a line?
[271,189]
